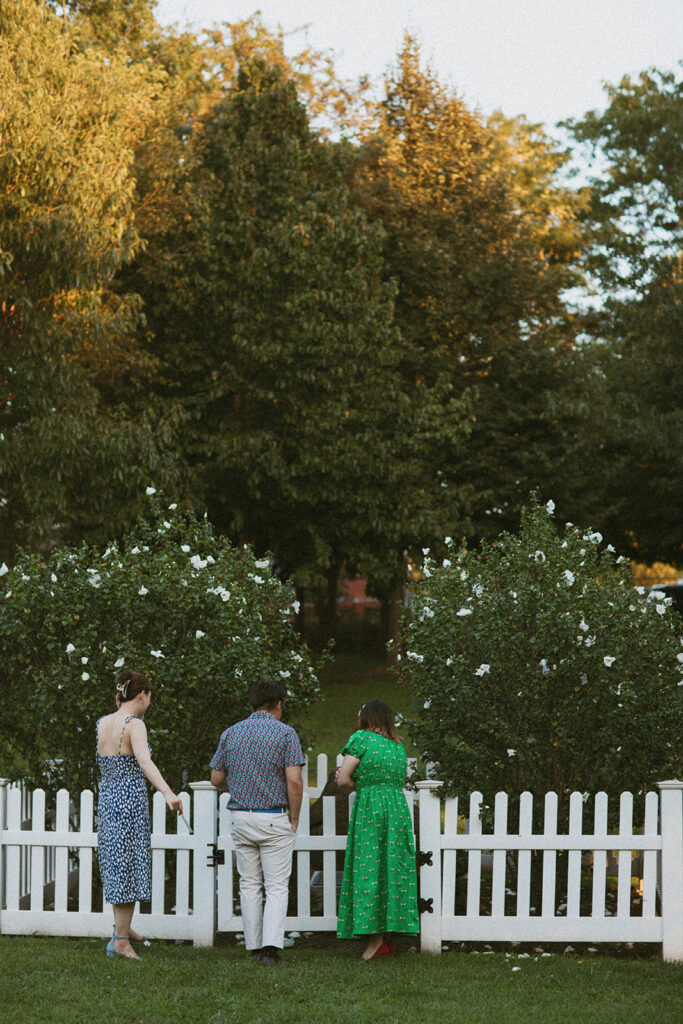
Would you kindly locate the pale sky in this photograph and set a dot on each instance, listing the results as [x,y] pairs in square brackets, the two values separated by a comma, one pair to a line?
[546,59]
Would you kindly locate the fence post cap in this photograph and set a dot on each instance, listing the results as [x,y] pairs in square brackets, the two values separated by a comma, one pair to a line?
[204,784]
[670,784]
[4,782]
[428,784]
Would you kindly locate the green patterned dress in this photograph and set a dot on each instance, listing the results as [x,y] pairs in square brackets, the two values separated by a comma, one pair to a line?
[379,887]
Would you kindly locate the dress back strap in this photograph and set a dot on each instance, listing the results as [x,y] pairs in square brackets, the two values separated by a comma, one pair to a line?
[128,719]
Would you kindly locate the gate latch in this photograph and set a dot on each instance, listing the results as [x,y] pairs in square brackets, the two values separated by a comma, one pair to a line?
[214,856]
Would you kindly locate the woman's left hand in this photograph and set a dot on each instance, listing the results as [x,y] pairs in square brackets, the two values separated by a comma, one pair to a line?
[173,802]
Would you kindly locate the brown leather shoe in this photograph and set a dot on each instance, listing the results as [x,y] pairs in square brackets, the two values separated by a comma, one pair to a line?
[269,956]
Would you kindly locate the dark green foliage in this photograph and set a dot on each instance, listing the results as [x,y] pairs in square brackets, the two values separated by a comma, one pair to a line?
[480,234]
[635,221]
[78,434]
[202,619]
[535,665]
[275,331]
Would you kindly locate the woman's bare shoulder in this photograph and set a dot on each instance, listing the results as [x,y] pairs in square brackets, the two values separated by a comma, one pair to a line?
[106,720]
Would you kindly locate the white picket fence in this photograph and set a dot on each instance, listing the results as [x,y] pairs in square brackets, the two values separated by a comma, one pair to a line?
[47,872]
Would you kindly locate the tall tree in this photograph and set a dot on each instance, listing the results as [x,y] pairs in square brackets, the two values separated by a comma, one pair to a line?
[77,435]
[636,222]
[480,235]
[276,333]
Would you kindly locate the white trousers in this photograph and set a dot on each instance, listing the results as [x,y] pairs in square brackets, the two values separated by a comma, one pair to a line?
[263,845]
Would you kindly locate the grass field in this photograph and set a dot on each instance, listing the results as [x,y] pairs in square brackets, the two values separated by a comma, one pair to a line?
[70,981]
[347,682]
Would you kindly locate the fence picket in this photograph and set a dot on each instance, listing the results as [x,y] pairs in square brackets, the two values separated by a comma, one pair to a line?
[625,857]
[85,854]
[13,855]
[526,809]
[36,878]
[182,861]
[303,865]
[549,857]
[158,855]
[500,828]
[329,860]
[410,800]
[224,872]
[474,857]
[650,856]
[599,858]
[449,858]
[62,853]
[574,857]
[321,773]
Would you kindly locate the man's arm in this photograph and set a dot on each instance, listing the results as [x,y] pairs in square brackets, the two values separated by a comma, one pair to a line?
[295,792]
[218,778]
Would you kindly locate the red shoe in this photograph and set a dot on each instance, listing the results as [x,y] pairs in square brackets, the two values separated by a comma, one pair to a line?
[381,951]
[392,947]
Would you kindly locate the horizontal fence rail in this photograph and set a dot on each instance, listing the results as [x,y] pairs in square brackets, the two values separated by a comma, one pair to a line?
[518,871]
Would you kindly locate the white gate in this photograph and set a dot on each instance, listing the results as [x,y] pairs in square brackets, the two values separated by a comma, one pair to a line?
[313,893]
[69,845]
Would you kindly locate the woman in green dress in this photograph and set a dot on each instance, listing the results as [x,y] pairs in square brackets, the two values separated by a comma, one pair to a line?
[379,886]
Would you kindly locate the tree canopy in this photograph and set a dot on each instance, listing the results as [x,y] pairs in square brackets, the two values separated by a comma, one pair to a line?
[341,336]
[635,218]
[77,437]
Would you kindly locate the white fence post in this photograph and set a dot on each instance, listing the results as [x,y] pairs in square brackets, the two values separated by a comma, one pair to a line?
[204,870]
[671,798]
[430,874]
[3,806]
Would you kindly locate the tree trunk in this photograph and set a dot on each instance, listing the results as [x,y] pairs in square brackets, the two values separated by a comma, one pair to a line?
[299,619]
[327,605]
[392,609]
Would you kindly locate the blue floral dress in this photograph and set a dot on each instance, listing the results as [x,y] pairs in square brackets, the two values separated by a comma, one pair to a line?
[123,833]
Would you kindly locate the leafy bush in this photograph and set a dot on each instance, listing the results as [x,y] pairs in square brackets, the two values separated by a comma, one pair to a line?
[535,665]
[202,619]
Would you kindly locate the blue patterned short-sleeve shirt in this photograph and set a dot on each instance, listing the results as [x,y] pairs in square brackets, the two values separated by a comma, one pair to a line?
[254,754]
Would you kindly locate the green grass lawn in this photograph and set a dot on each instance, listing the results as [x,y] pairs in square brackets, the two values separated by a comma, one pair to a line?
[70,981]
[348,682]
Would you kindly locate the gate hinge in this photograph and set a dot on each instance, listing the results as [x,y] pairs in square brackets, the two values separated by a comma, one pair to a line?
[214,856]
[424,857]
[425,906]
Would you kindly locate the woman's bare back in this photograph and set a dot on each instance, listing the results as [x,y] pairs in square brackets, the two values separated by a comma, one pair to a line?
[113,734]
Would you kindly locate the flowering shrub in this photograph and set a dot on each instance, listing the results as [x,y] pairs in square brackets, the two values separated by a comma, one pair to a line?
[201,619]
[536,665]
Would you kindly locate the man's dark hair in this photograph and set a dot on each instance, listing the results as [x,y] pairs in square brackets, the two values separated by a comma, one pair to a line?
[266,694]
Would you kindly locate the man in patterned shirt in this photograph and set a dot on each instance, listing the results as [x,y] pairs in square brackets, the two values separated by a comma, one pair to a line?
[259,760]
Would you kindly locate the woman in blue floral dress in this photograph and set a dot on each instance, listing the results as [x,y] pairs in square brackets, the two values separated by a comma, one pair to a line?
[123,833]
[379,885]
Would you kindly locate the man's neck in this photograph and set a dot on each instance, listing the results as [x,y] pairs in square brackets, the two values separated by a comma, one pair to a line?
[275,712]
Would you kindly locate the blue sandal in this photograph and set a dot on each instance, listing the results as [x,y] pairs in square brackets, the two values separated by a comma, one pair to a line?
[111,949]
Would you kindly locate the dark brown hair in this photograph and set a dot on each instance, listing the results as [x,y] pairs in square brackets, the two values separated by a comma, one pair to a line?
[265,694]
[376,716]
[129,684]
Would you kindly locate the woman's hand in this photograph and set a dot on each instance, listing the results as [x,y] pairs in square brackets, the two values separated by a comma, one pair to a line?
[173,802]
